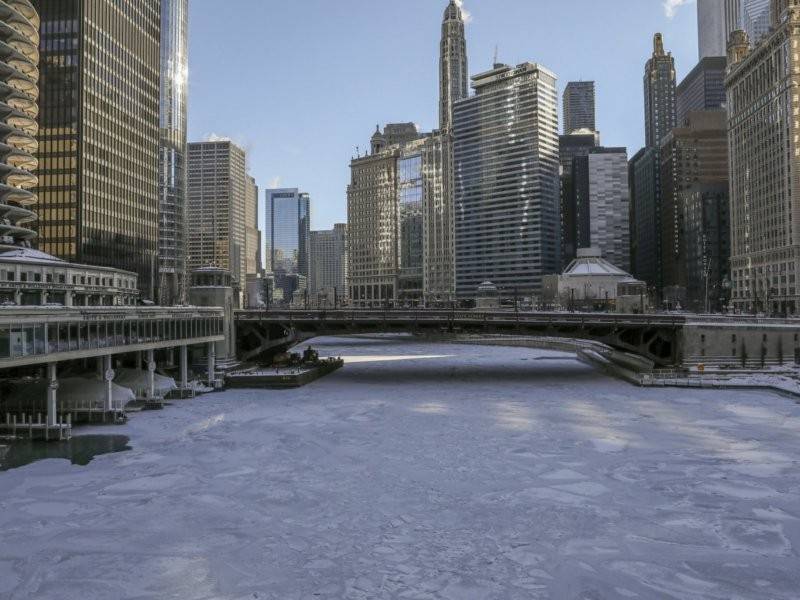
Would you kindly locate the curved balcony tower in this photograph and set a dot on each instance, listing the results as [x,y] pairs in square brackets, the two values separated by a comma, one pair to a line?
[19,94]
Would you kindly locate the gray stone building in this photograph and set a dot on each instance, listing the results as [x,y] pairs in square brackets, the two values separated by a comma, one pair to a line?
[763,101]
[327,280]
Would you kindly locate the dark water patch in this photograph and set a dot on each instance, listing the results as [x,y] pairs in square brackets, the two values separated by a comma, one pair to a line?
[79,450]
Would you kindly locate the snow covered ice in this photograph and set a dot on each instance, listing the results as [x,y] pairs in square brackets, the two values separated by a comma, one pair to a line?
[448,472]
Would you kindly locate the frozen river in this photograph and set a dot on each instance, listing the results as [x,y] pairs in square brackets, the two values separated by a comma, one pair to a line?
[423,471]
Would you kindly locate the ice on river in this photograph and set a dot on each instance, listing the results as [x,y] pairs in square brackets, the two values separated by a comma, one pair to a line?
[423,471]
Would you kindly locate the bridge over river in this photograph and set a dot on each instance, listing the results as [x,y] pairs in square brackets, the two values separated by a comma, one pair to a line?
[676,341]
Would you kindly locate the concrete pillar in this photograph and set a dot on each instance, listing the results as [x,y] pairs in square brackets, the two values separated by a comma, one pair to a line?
[18,297]
[212,359]
[151,375]
[101,368]
[68,299]
[52,395]
[86,300]
[184,367]
[44,297]
[139,360]
[108,376]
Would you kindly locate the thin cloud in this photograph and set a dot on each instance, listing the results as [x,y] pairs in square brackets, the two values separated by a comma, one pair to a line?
[275,183]
[465,14]
[671,6]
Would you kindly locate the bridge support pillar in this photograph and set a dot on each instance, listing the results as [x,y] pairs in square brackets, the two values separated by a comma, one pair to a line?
[151,375]
[212,363]
[52,395]
[108,376]
[139,360]
[184,367]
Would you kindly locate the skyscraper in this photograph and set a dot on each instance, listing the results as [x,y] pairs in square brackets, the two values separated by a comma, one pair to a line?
[694,215]
[763,99]
[286,226]
[217,196]
[572,145]
[410,193]
[252,239]
[644,177]
[506,181]
[603,212]
[702,89]
[327,280]
[711,27]
[372,216]
[99,133]
[659,94]
[172,150]
[438,269]
[453,72]
[756,19]
[18,90]
[579,111]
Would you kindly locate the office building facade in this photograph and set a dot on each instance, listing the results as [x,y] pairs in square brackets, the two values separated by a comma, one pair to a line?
[327,280]
[217,196]
[694,176]
[763,101]
[172,151]
[372,229]
[571,146]
[579,106]
[506,177]
[644,178]
[602,204]
[286,227]
[252,237]
[98,200]
[702,89]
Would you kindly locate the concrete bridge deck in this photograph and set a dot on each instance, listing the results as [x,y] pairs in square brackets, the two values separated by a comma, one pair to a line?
[664,340]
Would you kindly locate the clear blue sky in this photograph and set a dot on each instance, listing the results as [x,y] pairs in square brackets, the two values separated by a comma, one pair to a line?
[301,83]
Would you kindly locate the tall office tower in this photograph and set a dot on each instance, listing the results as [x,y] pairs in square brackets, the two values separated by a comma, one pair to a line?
[694,216]
[453,72]
[19,91]
[372,229]
[286,227]
[217,195]
[578,103]
[756,19]
[327,280]
[438,270]
[644,177]
[172,151]
[252,239]
[711,28]
[733,19]
[575,144]
[99,133]
[659,94]
[763,98]
[703,88]
[602,215]
[507,223]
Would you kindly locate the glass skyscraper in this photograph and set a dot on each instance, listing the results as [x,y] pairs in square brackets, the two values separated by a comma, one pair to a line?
[287,227]
[172,150]
[99,133]
[507,181]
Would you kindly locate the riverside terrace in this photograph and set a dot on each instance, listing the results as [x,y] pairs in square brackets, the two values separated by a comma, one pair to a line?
[41,335]
[666,341]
